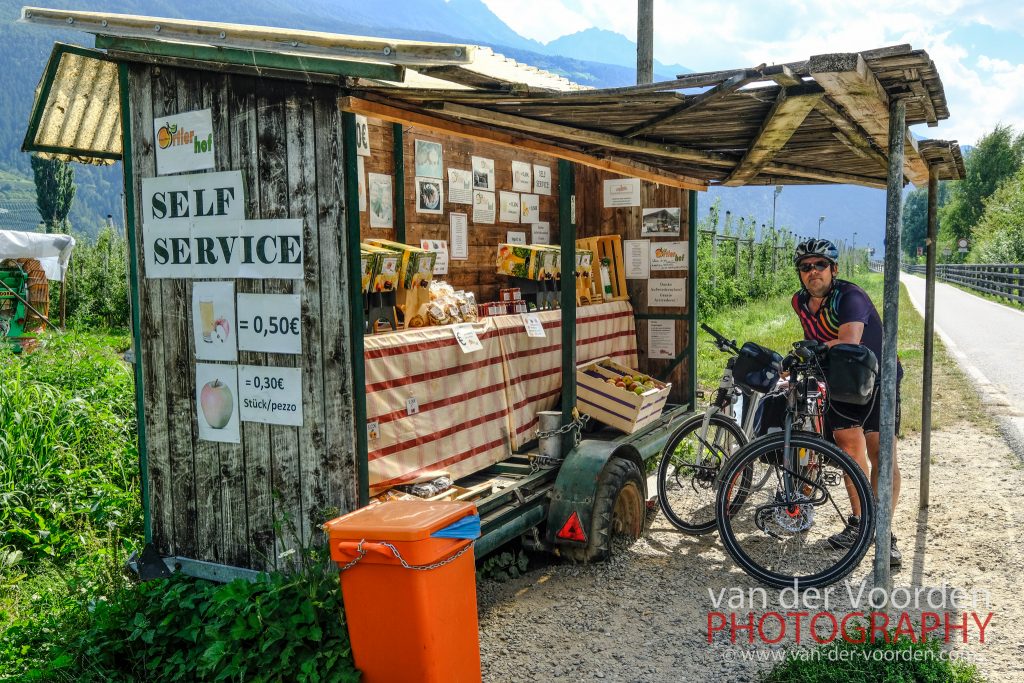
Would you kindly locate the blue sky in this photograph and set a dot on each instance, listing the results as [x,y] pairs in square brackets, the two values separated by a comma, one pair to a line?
[977,46]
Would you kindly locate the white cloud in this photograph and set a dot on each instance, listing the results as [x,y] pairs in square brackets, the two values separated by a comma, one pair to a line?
[981,90]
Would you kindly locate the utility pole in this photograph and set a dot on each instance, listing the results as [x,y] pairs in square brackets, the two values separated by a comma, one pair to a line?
[644,42]
[820,221]
[853,255]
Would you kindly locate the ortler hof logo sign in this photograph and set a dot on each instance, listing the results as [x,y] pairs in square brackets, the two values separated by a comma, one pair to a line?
[194,226]
[184,142]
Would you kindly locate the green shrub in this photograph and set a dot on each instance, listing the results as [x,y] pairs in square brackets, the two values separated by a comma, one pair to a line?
[896,661]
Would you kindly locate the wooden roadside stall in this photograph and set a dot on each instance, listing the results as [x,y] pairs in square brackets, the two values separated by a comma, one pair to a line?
[262,164]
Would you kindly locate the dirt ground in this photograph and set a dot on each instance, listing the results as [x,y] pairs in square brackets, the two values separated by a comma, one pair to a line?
[643,616]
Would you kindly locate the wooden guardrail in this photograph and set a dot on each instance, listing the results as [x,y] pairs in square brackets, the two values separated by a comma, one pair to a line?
[1005,280]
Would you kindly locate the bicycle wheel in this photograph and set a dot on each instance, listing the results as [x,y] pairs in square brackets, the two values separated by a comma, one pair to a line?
[689,465]
[778,537]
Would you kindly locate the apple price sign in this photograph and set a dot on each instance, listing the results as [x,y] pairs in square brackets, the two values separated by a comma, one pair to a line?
[272,395]
[270,323]
[217,402]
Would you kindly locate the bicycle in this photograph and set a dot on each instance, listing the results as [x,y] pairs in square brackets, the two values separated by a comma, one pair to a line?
[779,531]
[696,451]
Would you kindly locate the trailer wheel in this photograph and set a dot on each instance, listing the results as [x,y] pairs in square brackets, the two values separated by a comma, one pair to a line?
[619,511]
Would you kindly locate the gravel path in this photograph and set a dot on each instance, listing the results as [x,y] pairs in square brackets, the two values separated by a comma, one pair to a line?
[643,615]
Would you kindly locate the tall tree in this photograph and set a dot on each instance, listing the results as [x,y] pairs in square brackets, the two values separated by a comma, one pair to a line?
[55,191]
[915,217]
[997,156]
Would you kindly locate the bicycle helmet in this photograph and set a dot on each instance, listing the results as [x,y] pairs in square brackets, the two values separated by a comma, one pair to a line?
[816,247]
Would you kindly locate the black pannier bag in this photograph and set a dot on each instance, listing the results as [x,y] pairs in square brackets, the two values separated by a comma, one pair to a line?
[757,368]
[851,373]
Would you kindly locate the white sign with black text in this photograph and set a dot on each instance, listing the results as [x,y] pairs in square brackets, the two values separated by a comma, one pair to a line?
[534,326]
[362,136]
[271,395]
[270,322]
[465,335]
[661,339]
[667,291]
[622,192]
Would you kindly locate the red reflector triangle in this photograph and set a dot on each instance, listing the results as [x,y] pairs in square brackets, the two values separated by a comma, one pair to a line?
[573,530]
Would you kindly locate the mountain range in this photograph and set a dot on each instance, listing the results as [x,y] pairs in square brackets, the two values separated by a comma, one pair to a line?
[593,57]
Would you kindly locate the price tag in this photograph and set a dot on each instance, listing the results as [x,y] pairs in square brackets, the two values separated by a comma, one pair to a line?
[271,395]
[270,322]
[465,335]
[412,406]
[372,430]
[534,327]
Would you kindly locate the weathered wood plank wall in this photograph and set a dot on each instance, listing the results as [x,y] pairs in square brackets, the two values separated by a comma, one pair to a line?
[593,219]
[244,504]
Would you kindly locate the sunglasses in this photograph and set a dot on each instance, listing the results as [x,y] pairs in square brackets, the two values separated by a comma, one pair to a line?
[817,265]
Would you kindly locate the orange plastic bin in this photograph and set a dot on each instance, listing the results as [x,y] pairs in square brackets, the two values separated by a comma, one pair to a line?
[415,623]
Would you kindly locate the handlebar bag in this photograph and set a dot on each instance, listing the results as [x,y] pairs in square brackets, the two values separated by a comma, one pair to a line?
[851,373]
[757,368]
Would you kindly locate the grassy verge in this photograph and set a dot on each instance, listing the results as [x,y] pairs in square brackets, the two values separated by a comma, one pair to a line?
[773,323]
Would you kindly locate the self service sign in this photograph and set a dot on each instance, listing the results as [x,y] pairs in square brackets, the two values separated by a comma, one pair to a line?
[194,227]
[184,142]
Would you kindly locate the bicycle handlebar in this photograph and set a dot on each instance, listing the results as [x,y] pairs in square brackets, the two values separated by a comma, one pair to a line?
[721,342]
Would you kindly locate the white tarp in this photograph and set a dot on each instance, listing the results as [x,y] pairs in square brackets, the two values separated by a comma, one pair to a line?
[53,251]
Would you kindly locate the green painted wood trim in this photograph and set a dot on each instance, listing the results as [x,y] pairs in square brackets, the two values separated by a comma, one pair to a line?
[133,265]
[567,241]
[39,105]
[692,304]
[399,184]
[267,60]
[355,297]
[72,151]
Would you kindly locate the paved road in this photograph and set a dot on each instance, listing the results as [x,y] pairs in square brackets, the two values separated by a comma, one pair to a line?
[988,341]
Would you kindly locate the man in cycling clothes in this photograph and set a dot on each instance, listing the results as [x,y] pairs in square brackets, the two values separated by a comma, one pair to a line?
[835,311]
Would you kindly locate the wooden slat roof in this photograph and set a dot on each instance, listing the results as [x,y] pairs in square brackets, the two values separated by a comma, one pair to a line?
[822,120]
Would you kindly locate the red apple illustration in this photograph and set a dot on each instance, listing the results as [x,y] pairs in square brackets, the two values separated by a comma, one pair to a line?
[217,403]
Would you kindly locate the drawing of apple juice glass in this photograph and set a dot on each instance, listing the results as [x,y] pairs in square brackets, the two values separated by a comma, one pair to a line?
[214,329]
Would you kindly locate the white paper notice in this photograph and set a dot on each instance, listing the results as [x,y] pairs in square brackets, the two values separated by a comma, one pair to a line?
[213,320]
[534,327]
[669,291]
[661,339]
[509,207]
[530,208]
[668,256]
[184,142]
[271,395]
[622,192]
[361,182]
[380,200]
[465,335]
[521,176]
[460,186]
[516,237]
[362,136]
[483,174]
[636,254]
[542,179]
[483,207]
[540,233]
[439,247]
[459,236]
[217,402]
[270,322]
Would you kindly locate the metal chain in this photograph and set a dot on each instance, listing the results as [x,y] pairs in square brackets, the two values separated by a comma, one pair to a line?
[398,556]
[579,421]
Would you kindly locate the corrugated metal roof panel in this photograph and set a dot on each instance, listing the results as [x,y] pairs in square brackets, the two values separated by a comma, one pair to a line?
[80,118]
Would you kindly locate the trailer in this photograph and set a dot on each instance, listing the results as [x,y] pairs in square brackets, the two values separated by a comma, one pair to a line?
[297,146]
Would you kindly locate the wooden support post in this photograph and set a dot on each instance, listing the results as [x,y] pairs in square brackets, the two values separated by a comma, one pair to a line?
[644,42]
[929,337]
[890,325]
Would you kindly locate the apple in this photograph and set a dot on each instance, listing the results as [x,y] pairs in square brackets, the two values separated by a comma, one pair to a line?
[217,403]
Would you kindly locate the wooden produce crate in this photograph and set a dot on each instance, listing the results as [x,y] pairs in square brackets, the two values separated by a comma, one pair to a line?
[606,247]
[617,407]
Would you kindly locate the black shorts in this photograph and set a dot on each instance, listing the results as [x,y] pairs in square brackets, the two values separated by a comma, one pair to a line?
[840,415]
